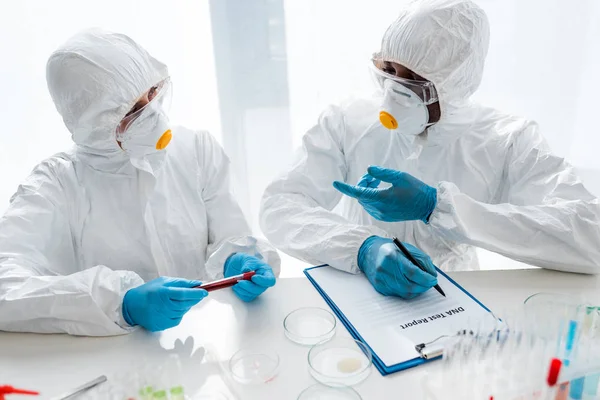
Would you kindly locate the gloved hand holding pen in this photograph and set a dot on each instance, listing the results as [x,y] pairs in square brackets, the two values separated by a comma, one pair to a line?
[263,279]
[407,199]
[391,273]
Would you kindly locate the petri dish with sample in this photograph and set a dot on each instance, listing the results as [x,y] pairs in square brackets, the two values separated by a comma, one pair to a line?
[253,366]
[340,361]
[329,392]
[309,325]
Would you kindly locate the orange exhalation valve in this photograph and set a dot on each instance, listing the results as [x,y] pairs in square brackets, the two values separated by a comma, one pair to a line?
[164,140]
[388,120]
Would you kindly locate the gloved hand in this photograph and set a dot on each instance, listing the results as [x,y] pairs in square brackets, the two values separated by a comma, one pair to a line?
[249,290]
[161,303]
[407,199]
[391,273]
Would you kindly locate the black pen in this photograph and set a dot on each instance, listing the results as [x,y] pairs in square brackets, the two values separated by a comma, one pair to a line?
[407,254]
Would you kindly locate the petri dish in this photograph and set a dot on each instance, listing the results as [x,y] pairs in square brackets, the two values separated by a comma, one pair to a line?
[211,396]
[340,361]
[548,312]
[329,392]
[254,366]
[546,298]
[309,326]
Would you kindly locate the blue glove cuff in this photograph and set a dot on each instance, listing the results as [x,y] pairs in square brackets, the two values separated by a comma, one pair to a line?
[364,249]
[126,316]
[431,199]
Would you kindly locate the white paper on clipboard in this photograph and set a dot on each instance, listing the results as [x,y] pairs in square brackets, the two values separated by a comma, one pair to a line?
[392,326]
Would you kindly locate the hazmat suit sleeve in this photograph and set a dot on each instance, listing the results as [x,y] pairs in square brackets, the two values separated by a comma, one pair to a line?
[43,288]
[545,216]
[228,230]
[296,211]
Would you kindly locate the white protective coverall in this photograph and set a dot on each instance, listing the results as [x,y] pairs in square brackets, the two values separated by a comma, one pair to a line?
[499,186]
[87,225]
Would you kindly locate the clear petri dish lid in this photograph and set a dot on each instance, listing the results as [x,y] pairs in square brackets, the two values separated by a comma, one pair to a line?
[329,392]
[309,325]
[253,366]
[340,361]
[211,396]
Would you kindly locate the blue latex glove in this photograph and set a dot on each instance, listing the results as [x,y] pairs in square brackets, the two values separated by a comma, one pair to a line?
[161,303]
[391,273]
[249,290]
[407,199]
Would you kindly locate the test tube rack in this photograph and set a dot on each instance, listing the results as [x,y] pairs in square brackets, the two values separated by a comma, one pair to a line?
[548,351]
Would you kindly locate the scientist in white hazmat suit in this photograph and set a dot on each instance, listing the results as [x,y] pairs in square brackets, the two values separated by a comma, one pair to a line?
[118,231]
[422,163]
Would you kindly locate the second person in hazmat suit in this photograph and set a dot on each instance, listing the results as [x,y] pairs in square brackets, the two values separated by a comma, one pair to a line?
[119,230]
[422,163]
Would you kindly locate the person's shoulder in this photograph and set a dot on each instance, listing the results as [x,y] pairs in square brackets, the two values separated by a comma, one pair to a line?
[352,107]
[184,136]
[506,130]
[51,175]
[193,143]
[502,124]
[350,117]
[57,165]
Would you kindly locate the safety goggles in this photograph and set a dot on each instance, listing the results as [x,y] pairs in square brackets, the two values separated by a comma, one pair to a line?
[158,96]
[424,89]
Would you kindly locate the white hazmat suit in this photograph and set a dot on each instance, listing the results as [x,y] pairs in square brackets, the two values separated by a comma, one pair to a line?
[498,185]
[87,225]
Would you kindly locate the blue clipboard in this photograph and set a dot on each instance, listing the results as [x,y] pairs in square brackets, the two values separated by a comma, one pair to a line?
[381,367]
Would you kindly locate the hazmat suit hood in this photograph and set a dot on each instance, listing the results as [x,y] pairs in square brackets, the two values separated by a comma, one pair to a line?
[94,79]
[446,42]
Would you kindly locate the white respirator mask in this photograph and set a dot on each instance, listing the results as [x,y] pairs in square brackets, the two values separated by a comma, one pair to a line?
[404,105]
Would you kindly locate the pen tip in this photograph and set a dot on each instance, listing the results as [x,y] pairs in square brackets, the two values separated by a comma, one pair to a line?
[440,291]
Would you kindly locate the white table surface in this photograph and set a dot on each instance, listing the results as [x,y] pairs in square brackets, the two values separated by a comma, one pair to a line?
[222,324]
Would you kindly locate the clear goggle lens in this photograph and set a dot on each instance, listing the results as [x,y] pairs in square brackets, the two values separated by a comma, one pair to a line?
[158,95]
[424,89]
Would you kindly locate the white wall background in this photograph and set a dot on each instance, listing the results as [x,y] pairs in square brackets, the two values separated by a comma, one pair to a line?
[543,63]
